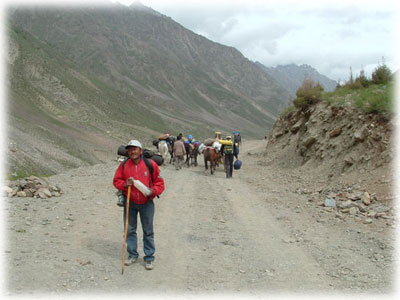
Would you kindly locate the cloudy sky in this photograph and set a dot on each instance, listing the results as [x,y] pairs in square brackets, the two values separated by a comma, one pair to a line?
[331,36]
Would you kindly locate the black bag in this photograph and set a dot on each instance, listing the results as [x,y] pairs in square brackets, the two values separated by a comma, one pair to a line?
[146,153]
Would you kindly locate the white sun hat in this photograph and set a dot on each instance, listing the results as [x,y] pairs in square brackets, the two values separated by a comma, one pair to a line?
[134,143]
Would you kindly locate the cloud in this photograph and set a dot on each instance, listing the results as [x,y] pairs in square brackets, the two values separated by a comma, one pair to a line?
[330,36]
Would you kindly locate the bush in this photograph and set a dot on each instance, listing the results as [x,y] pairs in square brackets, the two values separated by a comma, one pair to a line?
[381,75]
[309,93]
[287,111]
[377,99]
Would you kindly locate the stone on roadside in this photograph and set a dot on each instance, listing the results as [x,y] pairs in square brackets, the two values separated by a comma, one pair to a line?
[21,194]
[366,199]
[45,191]
[41,195]
[7,189]
[353,210]
[346,204]
[330,203]
[28,193]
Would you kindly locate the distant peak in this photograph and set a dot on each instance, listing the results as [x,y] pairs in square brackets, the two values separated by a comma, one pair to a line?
[137,5]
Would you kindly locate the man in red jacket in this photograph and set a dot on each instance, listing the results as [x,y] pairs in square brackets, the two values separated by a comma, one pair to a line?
[135,169]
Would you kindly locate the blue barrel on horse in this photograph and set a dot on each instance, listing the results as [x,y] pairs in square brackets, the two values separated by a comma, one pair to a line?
[237,164]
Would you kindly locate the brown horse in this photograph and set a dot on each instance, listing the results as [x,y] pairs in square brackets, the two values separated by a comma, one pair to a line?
[193,152]
[212,156]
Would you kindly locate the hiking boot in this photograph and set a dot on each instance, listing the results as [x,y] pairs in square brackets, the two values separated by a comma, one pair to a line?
[130,261]
[149,265]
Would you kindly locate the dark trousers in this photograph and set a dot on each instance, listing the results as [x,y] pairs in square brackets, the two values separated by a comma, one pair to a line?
[146,212]
[229,165]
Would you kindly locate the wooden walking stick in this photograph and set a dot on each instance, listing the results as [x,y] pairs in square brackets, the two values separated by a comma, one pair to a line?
[126,227]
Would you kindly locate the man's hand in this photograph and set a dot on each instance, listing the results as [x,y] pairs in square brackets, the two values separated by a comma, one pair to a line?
[129,182]
[151,192]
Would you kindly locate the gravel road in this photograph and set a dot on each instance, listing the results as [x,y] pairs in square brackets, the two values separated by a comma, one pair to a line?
[253,234]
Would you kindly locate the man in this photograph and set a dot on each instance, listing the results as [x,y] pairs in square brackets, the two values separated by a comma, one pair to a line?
[179,152]
[135,168]
[229,152]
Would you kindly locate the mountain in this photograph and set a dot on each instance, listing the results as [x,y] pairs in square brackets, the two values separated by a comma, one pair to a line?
[83,80]
[292,76]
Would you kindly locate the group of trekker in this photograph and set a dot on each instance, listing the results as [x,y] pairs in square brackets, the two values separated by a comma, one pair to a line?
[138,182]
[181,145]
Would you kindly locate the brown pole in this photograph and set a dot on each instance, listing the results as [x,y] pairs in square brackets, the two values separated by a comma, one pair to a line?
[126,228]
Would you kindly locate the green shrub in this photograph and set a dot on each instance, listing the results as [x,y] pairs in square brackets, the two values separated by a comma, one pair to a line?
[381,75]
[309,93]
[287,111]
[379,99]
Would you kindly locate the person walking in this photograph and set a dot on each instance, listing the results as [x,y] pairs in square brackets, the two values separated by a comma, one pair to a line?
[179,152]
[229,152]
[129,173]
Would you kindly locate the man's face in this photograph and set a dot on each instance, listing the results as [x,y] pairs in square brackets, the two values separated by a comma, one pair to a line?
[134,152]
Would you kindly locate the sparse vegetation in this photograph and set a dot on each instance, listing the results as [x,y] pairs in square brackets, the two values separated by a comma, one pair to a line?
[371,95]
[287,111]
[309,93]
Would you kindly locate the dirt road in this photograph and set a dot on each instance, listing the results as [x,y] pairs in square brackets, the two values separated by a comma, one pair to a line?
[254,234]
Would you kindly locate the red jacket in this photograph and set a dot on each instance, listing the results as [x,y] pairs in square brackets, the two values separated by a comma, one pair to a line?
[142,173]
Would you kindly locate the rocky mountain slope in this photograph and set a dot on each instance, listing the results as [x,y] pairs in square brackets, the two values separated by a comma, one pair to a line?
[292,76]
[337,144]
[84,80]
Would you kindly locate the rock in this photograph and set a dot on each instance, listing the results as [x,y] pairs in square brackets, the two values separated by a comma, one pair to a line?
[45,191]
[353,210]
[9,191]
[366,199]
[367,221]
[296,126]
[330,203]
[28,193]
[349,160]
[360,135]
[309,141]
[336,132]
[41,195]
[346,204]
[21,194]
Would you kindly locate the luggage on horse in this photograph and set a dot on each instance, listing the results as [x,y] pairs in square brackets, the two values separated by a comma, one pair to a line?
[237,164]
[217,146]
[164,136]
[201,148]
[209,142]
[225,142]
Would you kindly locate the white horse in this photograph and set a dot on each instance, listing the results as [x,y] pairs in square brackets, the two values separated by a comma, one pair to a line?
[163,149]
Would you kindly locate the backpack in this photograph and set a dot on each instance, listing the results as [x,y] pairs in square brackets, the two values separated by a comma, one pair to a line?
[228,149]
[146,153]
